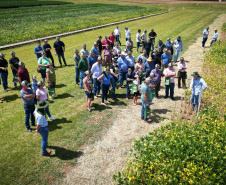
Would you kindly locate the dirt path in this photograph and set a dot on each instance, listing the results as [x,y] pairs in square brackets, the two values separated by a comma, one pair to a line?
[105,157]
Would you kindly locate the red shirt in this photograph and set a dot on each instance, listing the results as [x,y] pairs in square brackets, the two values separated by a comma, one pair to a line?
[111,38]
[23,74]
[104,43]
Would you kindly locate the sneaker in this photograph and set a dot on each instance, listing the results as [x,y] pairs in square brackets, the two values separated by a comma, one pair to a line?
[52,118]
[172,99]
[95,96]
[77,85]
[103,104]
[51,97]
[47,154]
[98,95]
[165,97]
[6,90]
[29,130]
[107,101]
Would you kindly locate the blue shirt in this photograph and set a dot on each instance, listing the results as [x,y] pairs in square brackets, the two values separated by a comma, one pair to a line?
[197,85]
[59,46]
[22,93]
[41,119]
[123,64]
[168,45]
[131,61]
[91,60]
[96,52]
[165,58]
[130,76]
[106,79]
[34,86]
[145,89]
[149,68]
[36,50]
[178,44]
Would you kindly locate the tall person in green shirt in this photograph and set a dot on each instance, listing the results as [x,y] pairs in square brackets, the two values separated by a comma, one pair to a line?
[82,66]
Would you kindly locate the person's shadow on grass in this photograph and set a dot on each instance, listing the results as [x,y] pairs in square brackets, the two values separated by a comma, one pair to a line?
[99,107]
[53,124]
[64,95]
[65,154]
[10,98]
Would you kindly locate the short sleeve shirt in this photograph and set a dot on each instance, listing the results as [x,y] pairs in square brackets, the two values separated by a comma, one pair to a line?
[152,34]
[52,75]
[23,74]
[41,120]
[43,61]
[138,39]
[15,62]
[76,59]
[28,92]
[113,67]
[127,32]
[3,63]
[59,46]
[169,72]
[88,83]
[42,93]
[145,89]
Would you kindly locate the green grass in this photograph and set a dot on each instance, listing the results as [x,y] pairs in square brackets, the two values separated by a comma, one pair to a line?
[28,3]
[21,161]
[23,24]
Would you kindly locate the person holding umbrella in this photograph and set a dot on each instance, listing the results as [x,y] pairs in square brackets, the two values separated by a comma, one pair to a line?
[42,126]
[197,86]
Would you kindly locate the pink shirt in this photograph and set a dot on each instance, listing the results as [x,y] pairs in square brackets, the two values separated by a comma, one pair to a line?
[170,72]
[106,52]
[141,67]
[104,43]
[180,65]
[42,93]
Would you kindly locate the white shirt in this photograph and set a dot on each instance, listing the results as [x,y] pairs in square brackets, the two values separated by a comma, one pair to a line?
[178,45]
[86,52]
[180,65]
[127,32]
[205,32]
[117,31]
[138,39]
[41,120]
[215,35]
[144,37]
[96,70]
[118,50]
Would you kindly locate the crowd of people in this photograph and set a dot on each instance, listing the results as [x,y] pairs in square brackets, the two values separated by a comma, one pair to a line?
[143,75]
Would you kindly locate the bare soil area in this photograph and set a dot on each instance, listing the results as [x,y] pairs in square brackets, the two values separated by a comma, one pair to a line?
[107,156]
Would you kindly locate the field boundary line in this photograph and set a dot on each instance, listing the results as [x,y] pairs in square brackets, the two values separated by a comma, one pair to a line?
[78,31]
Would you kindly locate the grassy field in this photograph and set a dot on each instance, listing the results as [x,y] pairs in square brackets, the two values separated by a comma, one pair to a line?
[21,160]
[22,24]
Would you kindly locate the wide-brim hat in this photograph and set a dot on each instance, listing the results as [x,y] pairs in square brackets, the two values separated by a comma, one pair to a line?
[149,59]
[42,104]
[123,53]
[195,74]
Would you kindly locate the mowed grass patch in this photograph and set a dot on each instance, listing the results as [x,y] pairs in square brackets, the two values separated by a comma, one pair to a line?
[21,160]
[22,24]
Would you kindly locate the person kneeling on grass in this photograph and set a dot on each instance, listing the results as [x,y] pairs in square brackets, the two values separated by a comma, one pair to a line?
[197,86]
[145,97]
[136,91]
[129,81]
[105,81]
[88,89]
[42,126]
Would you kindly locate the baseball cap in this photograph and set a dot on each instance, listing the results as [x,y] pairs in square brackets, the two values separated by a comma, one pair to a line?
[76,50]
[157,65]
[87,72]
[40,83]
[33,77]
[12,53]
[99,36]
[99,58]
[170,65]
[147,80]
[152,74]
[25,83]
[21,64]
[182,58]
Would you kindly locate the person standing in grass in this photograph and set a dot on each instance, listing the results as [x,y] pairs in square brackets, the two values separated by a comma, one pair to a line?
[99,44]
[95,51]
[114,76]
[147,47]
[111,39]
[145,97]
[137,92]
[117,34]
[127,33]
[47,48]
[129,81]
[149,66]
[59,48]
[4,71]
[215,36]
[138,40]
[96,70]
[84,50]
[51,79]
[34,87]
[157,79]
[197,85]
[178,45]
[88,86]
[27,96]
[169,80]
[107,56]
[76,58]
[129,45]
[42,64]
[144,38]
[117,49]
[152,35]
[123,67]
[161,46]
[91,59]
[82,66]
[182,66]
[23,73]
[42,126]
[169,46]
[105,42]
[143,57]
[14,63]
[205,36]
[105,81]
[41,94]
[131,60]
[38,50]
[141,67]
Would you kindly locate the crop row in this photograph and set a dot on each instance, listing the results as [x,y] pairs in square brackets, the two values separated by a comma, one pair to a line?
[24,24]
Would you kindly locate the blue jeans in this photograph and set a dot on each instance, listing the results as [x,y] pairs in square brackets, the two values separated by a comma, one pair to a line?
[204,41]
[113,82]
[117,39]
[152,44]
[128,91]
[76,75]
[121,78]
[4,77]
[81,78]
[105,89]
[214,40]
[96,88]
[194,100]
[126,39]
[144,106]
[47,111]
[29,109]
[14,74]
[44,132]
[171,88]
[176,54]
[59,57]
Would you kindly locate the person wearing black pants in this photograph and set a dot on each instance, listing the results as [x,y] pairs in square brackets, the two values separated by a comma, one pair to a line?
[46,47]
[59,48]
